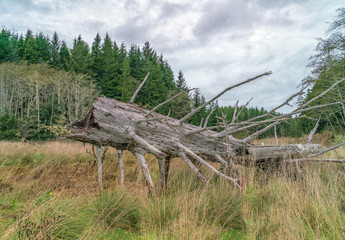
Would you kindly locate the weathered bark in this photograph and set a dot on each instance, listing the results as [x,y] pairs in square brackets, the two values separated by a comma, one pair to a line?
[124,127]
[127,126]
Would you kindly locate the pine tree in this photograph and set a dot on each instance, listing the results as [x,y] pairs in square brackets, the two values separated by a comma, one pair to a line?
[43,48]
[96,55]
[21,47]
[154,91]
[64,56]
[126,84]
[55,48]
[181,84]
[30,52]
[107,68]
[80,59]
[5,36]
[135,62]
[197,101]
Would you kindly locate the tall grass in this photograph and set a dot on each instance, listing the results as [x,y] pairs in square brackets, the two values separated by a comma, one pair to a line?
[49,191]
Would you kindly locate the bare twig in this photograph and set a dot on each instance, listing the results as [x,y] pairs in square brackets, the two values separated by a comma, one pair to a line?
[165,102]
[138,89]
[275,134]
[192,167]
[251,137]
[208,116]
[327,150]
[235,110]
[220,94]
[321,94]
[315,160]
[245,105]
[196,157]
[310,137]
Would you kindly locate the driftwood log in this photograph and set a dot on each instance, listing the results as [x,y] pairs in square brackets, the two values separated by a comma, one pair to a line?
[127,126]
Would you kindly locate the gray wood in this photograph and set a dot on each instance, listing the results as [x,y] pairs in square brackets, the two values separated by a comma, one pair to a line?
[312,132]
[192,167]
[99,154]
[143,165]
[126,126]
[122,168]
[114,123]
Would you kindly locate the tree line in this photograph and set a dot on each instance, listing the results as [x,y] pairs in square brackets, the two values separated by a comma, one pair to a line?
[44,83]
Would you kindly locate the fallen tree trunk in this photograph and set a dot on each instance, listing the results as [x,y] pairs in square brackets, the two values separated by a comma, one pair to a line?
[123,126]
[126,126]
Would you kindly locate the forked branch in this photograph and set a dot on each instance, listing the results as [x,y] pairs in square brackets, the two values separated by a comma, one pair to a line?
[220,94]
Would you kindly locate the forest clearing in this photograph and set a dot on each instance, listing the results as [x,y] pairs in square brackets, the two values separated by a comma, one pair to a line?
[108,141]
[49,191]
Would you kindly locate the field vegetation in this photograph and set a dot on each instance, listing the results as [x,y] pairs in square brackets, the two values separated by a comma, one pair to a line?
[49,191]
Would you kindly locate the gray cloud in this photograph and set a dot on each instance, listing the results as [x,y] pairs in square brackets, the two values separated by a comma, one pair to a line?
[226,16]
[215,43]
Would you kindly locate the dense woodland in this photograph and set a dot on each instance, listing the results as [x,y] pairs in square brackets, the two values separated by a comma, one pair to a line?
[45,85]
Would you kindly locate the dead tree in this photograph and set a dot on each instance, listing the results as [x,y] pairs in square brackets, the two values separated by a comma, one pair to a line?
[127,126]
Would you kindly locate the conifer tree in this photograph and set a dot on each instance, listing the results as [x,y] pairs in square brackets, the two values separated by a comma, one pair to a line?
[43,48]
[20,47]
[96,55]
[64,56]
[55,48]
[135,62]
[181,84]
[80,59]
[107,68]
[5,50]
[30,52]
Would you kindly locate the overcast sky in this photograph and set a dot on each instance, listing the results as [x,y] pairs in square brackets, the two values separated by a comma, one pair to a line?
[215,43]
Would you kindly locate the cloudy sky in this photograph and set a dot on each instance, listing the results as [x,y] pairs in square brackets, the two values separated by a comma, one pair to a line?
[215,43]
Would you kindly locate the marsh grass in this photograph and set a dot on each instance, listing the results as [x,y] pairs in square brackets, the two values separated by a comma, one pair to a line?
[49,191]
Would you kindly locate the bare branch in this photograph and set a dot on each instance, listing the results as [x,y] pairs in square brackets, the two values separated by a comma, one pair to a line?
[251,137]
[138,89]
[165,102]
[245,105]
[321,94]
[235,110]
[202,119]
[327,150]
[280,118]
[276,108]
[208,116]
[196,157]
[122,169]
[143,165]
[99,154]
[315,160]
[220,94]
[310,137]
[191,166]
[147,145]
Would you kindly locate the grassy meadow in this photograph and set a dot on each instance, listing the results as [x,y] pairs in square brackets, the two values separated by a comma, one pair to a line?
[49,191]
